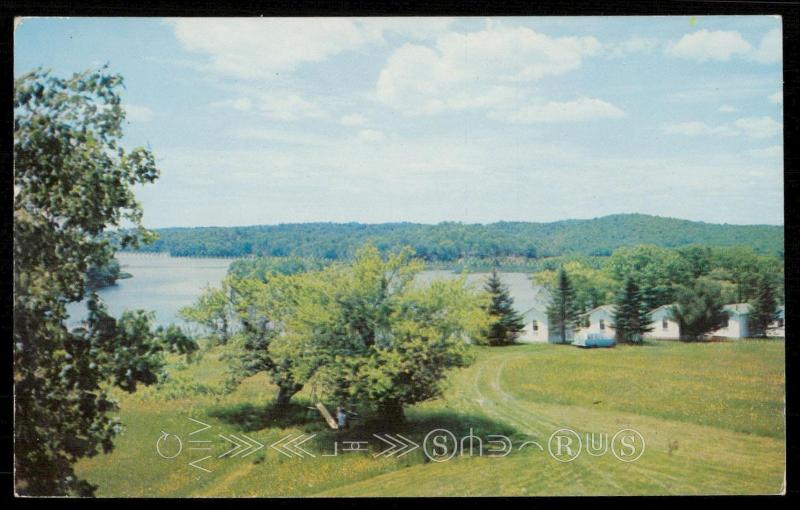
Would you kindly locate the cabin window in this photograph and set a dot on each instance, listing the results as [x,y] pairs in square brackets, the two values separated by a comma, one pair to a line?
[780,323]
[664,324]
[725,321]
[602,324]
[536,325]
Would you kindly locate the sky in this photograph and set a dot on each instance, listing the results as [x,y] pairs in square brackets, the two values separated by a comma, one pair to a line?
[267,121]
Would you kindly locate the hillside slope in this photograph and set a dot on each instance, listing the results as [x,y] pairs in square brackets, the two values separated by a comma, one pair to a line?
[451,241]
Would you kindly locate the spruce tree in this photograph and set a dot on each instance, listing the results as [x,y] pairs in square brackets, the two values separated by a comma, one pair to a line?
[562,313]
[631,315]
[764,308]
[506,322]
[699,310]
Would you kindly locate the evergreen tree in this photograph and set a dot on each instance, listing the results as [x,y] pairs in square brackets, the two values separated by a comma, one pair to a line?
[506,322]
[562,313]
[631,315]
[764,308]
[699,310]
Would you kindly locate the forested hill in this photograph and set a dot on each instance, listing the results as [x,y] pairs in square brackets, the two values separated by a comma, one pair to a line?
[451,241]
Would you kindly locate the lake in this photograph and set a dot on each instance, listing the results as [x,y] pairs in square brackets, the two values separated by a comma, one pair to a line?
[165,284]
[160,283]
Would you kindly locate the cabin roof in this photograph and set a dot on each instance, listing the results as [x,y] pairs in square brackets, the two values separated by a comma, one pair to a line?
[535,313]
[533,298]
[601,308]
[737,308]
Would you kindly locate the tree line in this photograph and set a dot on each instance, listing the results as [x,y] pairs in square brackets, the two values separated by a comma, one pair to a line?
[515,242]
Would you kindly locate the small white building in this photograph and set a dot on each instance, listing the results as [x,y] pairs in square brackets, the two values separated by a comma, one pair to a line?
[599,321]
[662,325]
[778,328]
[536,330]
[736,324]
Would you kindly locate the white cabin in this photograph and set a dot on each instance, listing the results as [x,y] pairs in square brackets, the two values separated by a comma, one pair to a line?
[662,325]
[599,321]
[736,324]
[778,328]
[535,327]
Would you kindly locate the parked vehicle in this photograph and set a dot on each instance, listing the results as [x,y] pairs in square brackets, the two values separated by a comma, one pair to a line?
[594,340]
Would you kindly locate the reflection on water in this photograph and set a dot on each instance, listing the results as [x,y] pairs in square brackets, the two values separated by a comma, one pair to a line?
[165,284]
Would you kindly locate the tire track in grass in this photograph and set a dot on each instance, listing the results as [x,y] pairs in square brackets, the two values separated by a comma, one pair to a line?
[515,411]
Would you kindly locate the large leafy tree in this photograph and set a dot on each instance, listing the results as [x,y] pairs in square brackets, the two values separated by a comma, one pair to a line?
[764,309]
[506,321]
[657,271]
[73,181]
[631,317]
[563,314]
[699,309]
[368,333]
[593,287]
[258,306]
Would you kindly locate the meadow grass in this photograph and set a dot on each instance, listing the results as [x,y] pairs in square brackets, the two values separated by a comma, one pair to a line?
[711,414]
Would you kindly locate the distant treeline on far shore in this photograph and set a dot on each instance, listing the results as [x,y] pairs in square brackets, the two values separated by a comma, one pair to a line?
[513,242]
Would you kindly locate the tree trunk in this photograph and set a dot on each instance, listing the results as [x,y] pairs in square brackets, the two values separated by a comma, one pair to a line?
[285,394]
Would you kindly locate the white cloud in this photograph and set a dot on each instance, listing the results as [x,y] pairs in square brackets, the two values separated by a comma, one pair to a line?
[726,108]
[696,128]
[286,107]
[137,113]
[411,27]
[241,104]
[370,136]
[290,107]
[705,45]
[758,127]
[485,69]
[630,46]
[776,98]
[253,48]
[353,119]
[773,151]
[751,127]
[721,45]
[770,49]
[569,111]
[280,136]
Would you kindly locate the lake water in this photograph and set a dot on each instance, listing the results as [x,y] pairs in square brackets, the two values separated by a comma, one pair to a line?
[160,283]
[165,284]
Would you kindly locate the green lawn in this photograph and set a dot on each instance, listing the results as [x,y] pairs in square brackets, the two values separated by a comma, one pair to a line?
[711,415]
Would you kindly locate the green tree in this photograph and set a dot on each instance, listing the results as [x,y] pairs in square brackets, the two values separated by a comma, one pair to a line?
[367,333]
[631,317]
[699,310]
[764,309]
[258,306]
[562,312]
[213,311]
[506,322]
[593,287]
[104,276]
[657,272]
[73,185]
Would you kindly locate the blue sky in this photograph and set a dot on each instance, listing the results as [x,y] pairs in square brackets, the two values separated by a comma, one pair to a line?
[264,121]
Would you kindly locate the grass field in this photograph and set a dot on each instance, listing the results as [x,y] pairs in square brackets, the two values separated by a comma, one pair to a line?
[711,416]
